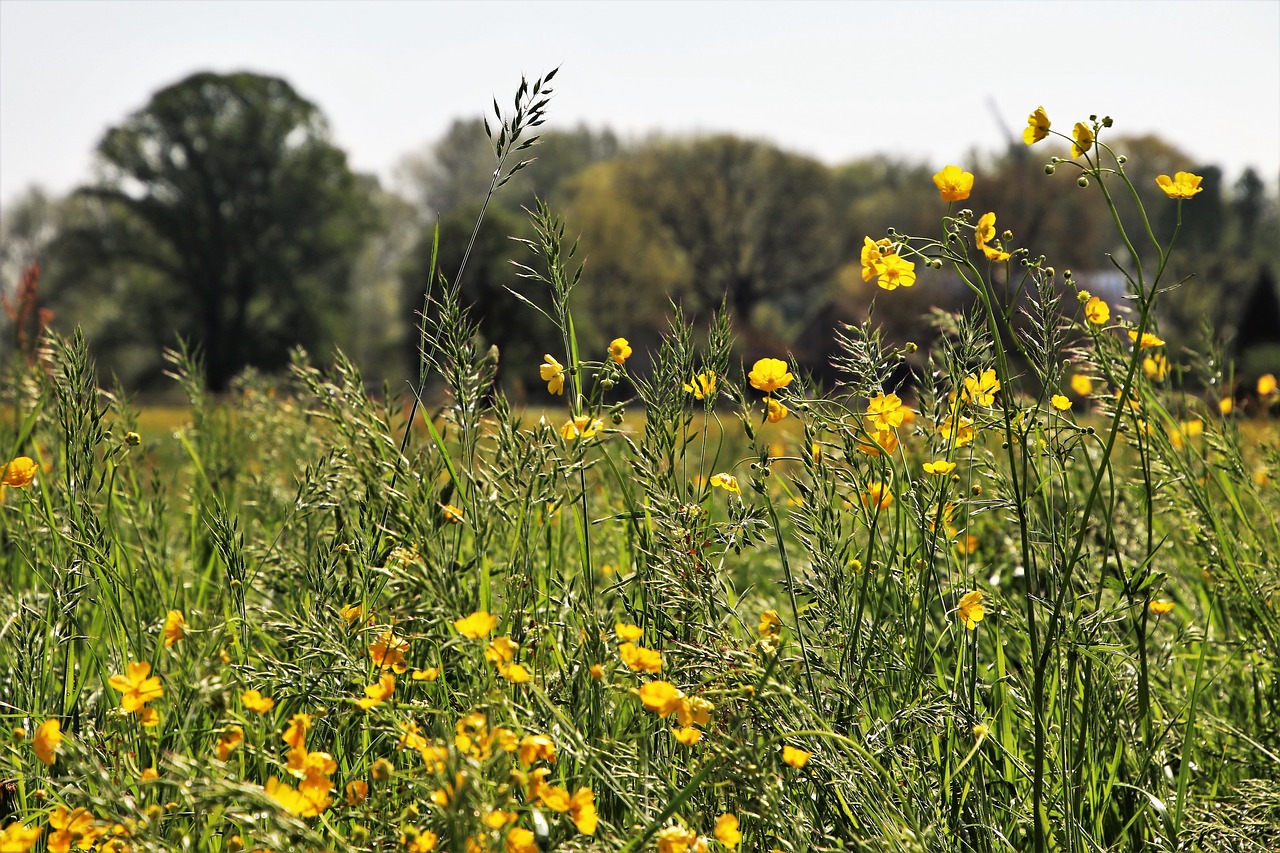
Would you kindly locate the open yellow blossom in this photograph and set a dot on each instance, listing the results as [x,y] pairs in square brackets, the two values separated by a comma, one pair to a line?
[376,694]
[1096,311]
[1037,127]
[1160,607]
[1060,402]
[387,652]
[686,735]
[980,389]
[519,840]
[954,183]
[896,272]
[661,697]
[451,513]
[882,441]
[627,633]
[726,831]
[960,430]
[357,792]
[1081,139]
[984,237]
[308,800]
[19,838]
[1155,367]
[47,739]
[770,624]
[1081,385]
[536,748]
[295,734]
[1148,340]
[229,741]
[256,702]
[1225,405]
[728,482]
[796,758]
[677,839]
[701,386]
[19,472]
[886,411]
[1266,385]
[640,659]
[1181,185]
[477,625]
[431,673]
[619,350]
[971,610]
[138,686]
[770,374]
[940,467]
[552,373]
[878,497]
[873,255]
[582,809]
[351,613]
[423,842]
[774,411]
[175,625]
[582,426]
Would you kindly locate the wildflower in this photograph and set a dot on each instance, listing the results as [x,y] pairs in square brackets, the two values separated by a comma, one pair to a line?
[148,775]
[953,183]
[877,497]
[640,659]
[376,694]
[896,272]
[229,741]
[1037,127]
[137,687]
[882,441]
[728,482]
[774,411]
[1081,139]
[1225,405]
[1161,607]
[941,467]
[1060,402]
[985,234]
[451,513]
[661,697]
[295,734]
[686,735]
[597,671]
[1081,385]
[726,831]
[981,731]
[309,799]
[351,613]
[256,702]
[971,610]
[72,827]
[582,426]
[770,624]
[419,840]
[797,758]
[981,389]
[174,628]
[536,748]
[886,411]
[1266,385]
[701,386]
[582,809]
[1147,341]
[873,255]
[18,838]
[19,472]
[1096,311]
[552,373]
[47,740]
[694,709]
[677,839]
[501,651]
[627,633]
[960,430]
[769,374]
[477,625]
[1181,185]
[431,673]
[388,651]
[619,350]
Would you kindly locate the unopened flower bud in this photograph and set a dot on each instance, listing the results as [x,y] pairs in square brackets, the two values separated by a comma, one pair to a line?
[1049,168]
[1082,181]
[1006,235]
[911,347]
[1122,159]
[1106,121]
[132,439]
[1049,271]
[976,490]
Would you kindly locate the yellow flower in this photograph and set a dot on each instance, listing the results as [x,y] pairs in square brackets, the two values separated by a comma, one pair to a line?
[388,651]
[552,373]
[17,838]
[701,386]
[770,624]
[941,467]
[477,625]
[256,702]
[381,769]
[1181,185]
[431,673]
[774,411]
[686,735]
[47,740]
[295,734]
[424,842]
[726,830]
[1037,127]
[376,694]
[627,633]
[1096,311]
[229,741]
[580,427]
[451,513]
[882,441]
[1225,405]
[877,497]
[310,798]
[1060,402]
[896,272]
[1160,607]
[149,717]
[960,430]
[619,350]
[677,839]
[515,673]
[661,697]
[536,748]
[137,687]
[1081,139]
[1081,385]
[597,671]
[1148,340]
[971,610]
[149,775]
[582,808]
[981,389]
[1266,385]
[174,627]
[694,709]
[954,184]
[873,255]
[351,613]
[520,840]
[19,472]
[728,482]
[1155,367]
[985,234]
[886,411]
[981,731]
[639,658]
[501,651]
[797,758]
[769,374]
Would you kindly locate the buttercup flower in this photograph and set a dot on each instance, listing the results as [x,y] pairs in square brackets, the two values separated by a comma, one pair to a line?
[477,625]
[19,472]
[376,694]
[137,687]
[981,389]
[582,809]
[619,350]
[953,183]
[728,482]
[770,374]
[1155,367]
[17,838]
[797,758]
[451,513]
[726,831]
[1096,311]
[431,673]
[583,426]
[1148,340]
[941,467]
[1225,405]
[357,791]
[256,702]
[229,741]
[1037,127]
[175,625]
[878,497]
[770,624]
[1081,139]
[295,734]
[1160,608]
[701,386]
[985,234]
[1181,185]
[896,272]
[1081,385]
[774,411]
[873,255]
[661,697]
[1266,385]
[639,658]
[971,610]
[886,411]
[960,430]
[687,736]
[552,373]
[47,739]
[1060,402]
[627,633]
[388,651]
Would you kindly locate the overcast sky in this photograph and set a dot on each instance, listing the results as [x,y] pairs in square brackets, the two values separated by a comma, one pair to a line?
[924,80]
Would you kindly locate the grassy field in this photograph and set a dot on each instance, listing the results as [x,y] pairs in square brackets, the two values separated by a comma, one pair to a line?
[1033,607]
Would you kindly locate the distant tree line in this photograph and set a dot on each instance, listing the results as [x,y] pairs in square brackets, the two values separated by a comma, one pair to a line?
[222,213]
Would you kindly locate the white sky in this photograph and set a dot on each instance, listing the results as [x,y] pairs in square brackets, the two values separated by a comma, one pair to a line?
[835,80]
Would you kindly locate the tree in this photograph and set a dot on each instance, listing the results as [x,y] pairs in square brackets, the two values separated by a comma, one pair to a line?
[227,216]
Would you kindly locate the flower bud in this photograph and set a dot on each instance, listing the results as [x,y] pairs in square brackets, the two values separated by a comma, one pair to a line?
[1106,121]
[911,347]
[1082,181]
[132,439]
[1006,235]
[1049,169]
[1049,271]
[1122,159]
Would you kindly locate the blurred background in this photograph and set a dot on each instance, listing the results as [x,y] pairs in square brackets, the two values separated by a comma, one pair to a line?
[252,177]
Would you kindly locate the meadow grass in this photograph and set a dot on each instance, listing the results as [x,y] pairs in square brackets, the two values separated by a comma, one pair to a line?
[729,610]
